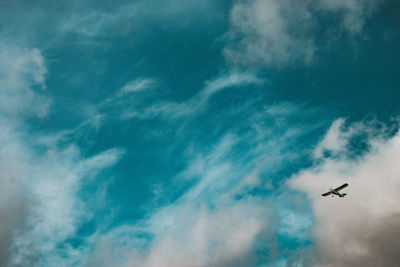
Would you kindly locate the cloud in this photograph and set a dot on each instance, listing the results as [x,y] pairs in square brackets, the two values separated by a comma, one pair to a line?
[219,237]
[198,102]
[39,178]
[280,32]
[334,141]
[131,94]
[189,234]
[20,70]
[58,177]
[22,80]
[128,18]
[262,33]
[227,216]
[354,13]
[137,86]
[361,229]
[92,24]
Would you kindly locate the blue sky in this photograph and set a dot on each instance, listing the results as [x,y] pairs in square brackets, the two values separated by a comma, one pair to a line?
[199,133]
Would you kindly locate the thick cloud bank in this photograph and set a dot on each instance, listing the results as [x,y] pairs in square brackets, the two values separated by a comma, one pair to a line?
[362,229]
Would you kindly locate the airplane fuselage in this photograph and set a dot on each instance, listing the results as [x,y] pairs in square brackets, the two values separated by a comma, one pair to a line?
[334,192]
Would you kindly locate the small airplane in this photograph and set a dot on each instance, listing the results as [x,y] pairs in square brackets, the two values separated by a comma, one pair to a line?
[335,191]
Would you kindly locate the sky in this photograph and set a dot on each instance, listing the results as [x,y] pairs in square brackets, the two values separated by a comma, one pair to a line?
[199,133]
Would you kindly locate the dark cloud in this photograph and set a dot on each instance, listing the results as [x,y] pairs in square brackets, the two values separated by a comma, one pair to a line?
[376,242]
[15,210]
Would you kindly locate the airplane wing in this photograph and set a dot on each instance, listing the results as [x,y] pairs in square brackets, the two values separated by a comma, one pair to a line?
[326,194]
[341,187]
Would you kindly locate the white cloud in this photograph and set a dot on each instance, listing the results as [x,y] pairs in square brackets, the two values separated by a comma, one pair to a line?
[21,70]
[129,95]
[280,32]
[198,102]
[362,228]
[137,86]
[334,141]
[218,221]
[39,205]
[39,194]
[127,18]
[262,33]
[354,12]
[90,25]
[188,234]
[203,237]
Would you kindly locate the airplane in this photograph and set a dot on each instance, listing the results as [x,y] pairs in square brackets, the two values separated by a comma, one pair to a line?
[335,191]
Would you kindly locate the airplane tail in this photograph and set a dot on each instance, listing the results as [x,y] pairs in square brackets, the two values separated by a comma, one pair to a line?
[343,195]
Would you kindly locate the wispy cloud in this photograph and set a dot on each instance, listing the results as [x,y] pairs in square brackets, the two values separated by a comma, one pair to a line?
[198,102]
[227,215]
[128,18]
[129,95]
[137,86]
